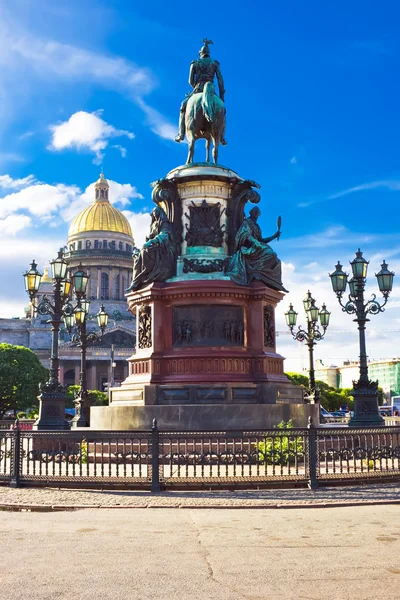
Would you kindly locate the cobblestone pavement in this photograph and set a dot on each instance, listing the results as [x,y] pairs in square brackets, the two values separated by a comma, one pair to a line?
[69,498]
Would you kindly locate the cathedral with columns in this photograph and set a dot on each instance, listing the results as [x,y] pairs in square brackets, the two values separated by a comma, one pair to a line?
[100,240]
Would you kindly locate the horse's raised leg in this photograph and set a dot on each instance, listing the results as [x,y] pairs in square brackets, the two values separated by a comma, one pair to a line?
[208,146]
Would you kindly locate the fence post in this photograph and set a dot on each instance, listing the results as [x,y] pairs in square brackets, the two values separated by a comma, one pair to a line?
[155,461]
[14,483]
[312,455]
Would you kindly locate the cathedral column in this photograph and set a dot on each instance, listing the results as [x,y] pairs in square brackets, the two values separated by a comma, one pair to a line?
[77,374]
[98,283]
[92,377]
[121,289]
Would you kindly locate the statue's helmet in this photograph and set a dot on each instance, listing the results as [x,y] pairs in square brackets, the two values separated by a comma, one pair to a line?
[255,212]
[205,50]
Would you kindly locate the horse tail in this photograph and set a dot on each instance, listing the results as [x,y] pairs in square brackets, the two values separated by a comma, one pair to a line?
[208,102]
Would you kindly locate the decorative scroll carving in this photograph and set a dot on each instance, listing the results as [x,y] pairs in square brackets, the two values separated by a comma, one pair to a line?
[208,326]
[241,194]
[269,326]
[144,328]
[165,194]
[205,225]
[203,265]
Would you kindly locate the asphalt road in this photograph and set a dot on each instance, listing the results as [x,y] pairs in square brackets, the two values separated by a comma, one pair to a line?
[179,554]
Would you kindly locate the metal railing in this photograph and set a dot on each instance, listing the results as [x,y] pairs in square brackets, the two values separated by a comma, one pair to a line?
[229,459]
[26,424]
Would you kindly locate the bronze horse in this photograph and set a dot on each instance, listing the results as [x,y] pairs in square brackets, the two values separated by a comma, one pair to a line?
[205,118]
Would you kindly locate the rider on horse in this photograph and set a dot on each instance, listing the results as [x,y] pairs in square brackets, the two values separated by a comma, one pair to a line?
[202,70]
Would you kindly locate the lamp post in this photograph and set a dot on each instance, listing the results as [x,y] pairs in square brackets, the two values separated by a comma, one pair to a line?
[52,394]
[365,392]
[77,317]
[311,336]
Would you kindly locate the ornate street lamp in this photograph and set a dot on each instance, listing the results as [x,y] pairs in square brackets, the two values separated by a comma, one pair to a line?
[77,318]
[52,397]
[365,392]
[311,336]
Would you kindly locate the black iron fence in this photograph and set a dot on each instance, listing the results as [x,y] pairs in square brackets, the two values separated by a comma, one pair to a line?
[163,460]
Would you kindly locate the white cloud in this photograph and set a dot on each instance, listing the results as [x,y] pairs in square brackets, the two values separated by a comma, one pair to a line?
[50,58]
[389,184]
[119,193]
[332,236]
[85,131]
[8,182]
[122,150]
[13,224]
[11,157]
[47,203]
[39,59]
[38,199]
[341,340]
[140,224]
[158,123]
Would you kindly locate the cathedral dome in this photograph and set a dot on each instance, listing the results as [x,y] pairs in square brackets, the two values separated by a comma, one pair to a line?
[101,215]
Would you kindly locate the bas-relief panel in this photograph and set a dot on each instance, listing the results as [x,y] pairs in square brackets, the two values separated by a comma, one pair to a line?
[208,326]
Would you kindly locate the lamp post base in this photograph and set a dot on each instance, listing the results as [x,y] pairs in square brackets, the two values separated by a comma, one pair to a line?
[366,410]
[82,412]
[51,412]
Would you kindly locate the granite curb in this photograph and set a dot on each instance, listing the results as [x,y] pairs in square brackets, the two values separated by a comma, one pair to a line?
[16,507]
[69,499]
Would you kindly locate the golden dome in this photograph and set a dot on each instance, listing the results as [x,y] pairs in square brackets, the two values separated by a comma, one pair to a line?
[101,215]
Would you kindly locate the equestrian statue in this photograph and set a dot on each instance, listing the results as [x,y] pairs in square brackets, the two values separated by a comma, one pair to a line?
[203,111]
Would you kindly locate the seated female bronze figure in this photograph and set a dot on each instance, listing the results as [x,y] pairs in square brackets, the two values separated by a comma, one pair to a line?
[253,258]
[157,259]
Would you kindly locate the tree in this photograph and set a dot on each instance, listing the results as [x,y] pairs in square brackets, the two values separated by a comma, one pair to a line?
[331,398]
[98,398]
[21,373]
[298,379]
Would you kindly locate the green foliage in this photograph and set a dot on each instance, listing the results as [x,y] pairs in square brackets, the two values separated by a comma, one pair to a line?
[33,413]
[21,373]
[331,398]
[98,398]
[298,379]
[282,449]
[84,451]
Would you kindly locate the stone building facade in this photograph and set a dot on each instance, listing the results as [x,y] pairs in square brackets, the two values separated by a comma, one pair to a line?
[100,241]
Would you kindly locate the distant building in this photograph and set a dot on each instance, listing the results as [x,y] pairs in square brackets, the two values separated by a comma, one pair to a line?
[386,372]
[100,239]
[328,375]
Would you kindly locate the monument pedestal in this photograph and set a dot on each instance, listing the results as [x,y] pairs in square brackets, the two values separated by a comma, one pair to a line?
[205,353]
[51,412]
[216,377]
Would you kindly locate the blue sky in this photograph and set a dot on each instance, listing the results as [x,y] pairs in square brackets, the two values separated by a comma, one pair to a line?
[312,115]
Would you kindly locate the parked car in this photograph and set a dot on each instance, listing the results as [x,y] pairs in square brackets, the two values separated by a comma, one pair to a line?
[324,414]
[339,413]
[386,411]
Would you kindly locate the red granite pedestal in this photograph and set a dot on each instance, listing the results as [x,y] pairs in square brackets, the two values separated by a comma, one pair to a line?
[210,377]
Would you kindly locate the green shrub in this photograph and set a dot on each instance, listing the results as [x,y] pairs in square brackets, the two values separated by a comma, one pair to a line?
[84,451]
[32,413]
[281,449]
